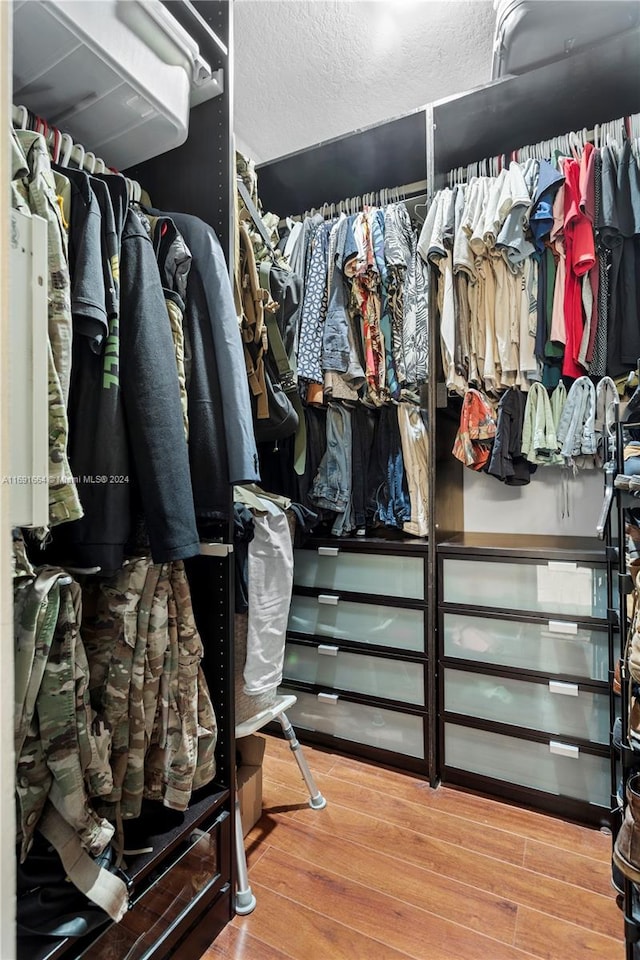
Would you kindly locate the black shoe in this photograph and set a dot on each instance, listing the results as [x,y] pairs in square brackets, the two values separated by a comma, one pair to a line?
[617,878]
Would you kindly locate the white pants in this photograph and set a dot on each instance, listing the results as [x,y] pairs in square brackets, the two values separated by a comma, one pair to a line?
[270,582]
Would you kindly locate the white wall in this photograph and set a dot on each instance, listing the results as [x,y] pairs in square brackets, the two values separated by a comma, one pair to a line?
[492,507]
[7,821]
[243,147]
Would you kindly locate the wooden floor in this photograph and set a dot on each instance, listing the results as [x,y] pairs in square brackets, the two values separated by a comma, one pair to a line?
[392,869]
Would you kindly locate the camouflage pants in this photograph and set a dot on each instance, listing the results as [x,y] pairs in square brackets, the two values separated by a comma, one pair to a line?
[113,610]
[181,757]
[57,745]
[147,685]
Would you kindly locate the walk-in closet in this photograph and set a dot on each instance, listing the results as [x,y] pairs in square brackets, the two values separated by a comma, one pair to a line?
[149,852]
[320,569]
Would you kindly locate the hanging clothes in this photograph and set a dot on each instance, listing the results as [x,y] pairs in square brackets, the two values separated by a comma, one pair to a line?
[222,449]
[507,462]
[270,587]
[33,191]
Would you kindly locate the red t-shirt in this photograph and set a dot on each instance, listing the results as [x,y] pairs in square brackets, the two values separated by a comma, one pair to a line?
[581,257]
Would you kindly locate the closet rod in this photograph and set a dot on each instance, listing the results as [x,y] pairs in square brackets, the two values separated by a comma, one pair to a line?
[621,127]
[407,191]
[64,151]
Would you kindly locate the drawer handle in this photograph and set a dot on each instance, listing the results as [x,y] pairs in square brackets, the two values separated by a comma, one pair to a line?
[564,750]
[328,551]
[328,598]
[328,650]
[559,626]
[331,698]
[568,689]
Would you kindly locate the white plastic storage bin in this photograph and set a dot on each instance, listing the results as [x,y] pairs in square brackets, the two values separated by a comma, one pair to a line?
[115,74]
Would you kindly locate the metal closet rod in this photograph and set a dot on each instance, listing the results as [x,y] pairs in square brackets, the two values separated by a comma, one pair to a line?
[601,134]
[64,150]
[372,198]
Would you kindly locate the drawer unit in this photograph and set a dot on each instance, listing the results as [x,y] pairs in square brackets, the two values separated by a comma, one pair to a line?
[155,915]
[379,575]
[380,677]
[356,652]
[524,661]
[556,647]
[553,707]
[553,767]
[330,616]
[333,716]
[555,586]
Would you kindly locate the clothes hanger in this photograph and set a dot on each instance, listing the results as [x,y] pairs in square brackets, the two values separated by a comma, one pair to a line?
[420,206]
[89,162]
[53,142]
[77,155]
[576,146]
[23,117]
[66,149]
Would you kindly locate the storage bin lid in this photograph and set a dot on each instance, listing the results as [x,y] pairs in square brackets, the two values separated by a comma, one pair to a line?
[118,75]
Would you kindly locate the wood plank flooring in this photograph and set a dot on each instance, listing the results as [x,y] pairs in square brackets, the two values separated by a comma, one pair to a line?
[392,870]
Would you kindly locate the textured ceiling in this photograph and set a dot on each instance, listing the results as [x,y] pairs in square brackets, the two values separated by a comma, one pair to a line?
[309,71]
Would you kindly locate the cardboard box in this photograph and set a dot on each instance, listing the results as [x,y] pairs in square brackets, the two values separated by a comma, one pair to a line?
[249,756]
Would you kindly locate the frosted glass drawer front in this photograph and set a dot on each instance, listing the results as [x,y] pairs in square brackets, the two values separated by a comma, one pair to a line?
[552,767]
[385,729]
[556,707]
[373,676]
[360,573]
[556,587]
[360,622]
[557,647]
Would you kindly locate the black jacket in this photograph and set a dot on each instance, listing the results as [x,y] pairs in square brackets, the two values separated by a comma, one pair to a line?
[507,462]
[222,449]
[125,425]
